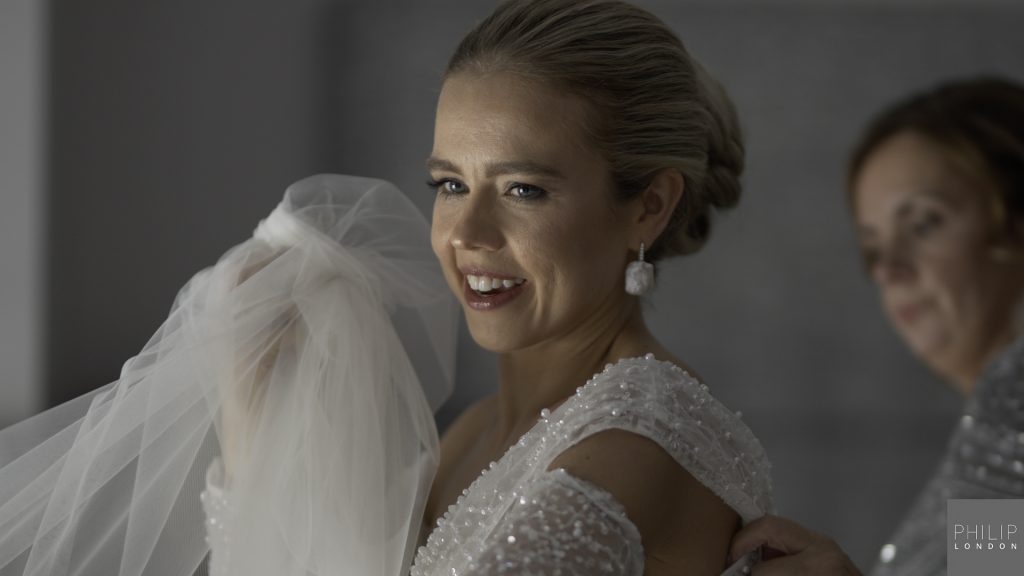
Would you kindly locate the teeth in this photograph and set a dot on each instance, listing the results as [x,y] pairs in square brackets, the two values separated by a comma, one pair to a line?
[487,284]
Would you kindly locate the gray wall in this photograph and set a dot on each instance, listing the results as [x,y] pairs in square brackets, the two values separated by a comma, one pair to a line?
[176,125]
[22,132]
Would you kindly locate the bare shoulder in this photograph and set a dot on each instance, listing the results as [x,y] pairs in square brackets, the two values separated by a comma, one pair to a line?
[685,527]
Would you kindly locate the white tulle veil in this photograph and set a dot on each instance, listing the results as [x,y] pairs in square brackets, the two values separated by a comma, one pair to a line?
[310,357]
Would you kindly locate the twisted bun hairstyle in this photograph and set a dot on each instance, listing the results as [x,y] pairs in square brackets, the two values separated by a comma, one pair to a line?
[651,106]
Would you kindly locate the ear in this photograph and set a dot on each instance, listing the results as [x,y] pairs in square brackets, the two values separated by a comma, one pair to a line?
[656,205]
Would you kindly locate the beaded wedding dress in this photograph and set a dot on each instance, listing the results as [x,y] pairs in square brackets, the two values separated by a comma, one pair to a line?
[520,518]
[286,404]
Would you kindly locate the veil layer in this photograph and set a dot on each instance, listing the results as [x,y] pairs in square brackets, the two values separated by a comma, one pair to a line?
[303,369]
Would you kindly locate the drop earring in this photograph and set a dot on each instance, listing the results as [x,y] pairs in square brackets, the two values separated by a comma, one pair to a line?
[639,275]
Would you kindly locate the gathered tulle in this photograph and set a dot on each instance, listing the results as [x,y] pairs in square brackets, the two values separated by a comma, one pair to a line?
[308,360]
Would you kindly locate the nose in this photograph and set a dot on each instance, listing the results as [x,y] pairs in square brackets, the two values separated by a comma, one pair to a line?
[476,224]
[895,265]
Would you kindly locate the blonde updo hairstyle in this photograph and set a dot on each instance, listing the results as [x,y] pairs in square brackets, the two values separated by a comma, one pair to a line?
[652,106]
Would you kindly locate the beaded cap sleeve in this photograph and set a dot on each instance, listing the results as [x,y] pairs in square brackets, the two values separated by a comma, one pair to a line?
[562,525]
[512,519]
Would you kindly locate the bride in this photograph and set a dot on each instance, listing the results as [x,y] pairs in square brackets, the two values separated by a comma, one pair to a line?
[576,146]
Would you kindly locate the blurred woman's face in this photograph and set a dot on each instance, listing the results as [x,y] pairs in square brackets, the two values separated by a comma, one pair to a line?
[926,229]
[525,225]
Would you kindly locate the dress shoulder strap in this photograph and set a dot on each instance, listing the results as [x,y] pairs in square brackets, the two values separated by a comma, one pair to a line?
[660,401]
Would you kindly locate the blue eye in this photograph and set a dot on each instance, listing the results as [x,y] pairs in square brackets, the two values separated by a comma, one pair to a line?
[447,186]
[525,191]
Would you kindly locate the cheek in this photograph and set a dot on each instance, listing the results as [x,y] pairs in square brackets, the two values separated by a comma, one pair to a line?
[953,262]
[958,275]
[539,247]
[582,252]
[440,232]
[952,280]
[437,239]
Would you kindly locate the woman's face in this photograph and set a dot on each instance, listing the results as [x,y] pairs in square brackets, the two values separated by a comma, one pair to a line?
[926,232]
[523,203]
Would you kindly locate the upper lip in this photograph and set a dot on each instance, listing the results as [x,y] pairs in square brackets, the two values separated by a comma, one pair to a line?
[476,271]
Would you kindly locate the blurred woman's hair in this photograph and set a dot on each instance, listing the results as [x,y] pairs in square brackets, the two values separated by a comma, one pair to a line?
[980,123]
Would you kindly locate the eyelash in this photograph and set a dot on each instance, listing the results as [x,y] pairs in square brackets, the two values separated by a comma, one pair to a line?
[440,186]
[538,192]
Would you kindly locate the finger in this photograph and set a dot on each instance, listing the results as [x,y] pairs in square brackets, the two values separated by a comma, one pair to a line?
[784,566]
[815,562]
[775,532]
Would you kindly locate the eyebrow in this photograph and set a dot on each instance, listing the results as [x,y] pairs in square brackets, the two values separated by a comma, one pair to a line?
[904,209]
[501,168]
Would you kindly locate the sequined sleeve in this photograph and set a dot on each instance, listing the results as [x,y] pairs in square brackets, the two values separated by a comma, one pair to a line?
[217,506]
[984,459]
[562,525]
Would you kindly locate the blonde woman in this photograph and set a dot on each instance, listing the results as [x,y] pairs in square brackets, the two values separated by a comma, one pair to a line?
[576,146]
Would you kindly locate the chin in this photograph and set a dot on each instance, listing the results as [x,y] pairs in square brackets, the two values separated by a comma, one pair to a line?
[495,340]
[933,347]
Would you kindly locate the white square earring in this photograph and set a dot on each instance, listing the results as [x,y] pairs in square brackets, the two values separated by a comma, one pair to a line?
[639,275]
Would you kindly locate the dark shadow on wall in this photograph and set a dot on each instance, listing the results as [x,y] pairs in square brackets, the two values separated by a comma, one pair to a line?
[175,127]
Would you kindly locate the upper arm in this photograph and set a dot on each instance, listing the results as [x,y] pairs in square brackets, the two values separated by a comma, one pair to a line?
[684,527]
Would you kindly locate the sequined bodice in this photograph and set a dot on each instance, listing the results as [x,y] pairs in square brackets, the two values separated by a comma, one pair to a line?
[495,527]
[519,517]
[984,459]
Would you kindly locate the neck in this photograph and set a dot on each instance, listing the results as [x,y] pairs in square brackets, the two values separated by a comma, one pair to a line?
[963,380]
[544,375]
[965,377]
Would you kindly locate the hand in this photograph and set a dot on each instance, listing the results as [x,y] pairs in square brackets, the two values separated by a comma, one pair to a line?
[789,548]
[256,355]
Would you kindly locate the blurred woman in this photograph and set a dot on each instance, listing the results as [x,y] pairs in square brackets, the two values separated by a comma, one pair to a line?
[937,194]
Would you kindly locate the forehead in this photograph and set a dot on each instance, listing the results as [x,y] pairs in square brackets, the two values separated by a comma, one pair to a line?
[510,112]
[907,167]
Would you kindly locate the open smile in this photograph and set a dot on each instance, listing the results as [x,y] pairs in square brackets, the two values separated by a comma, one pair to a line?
[487,292]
